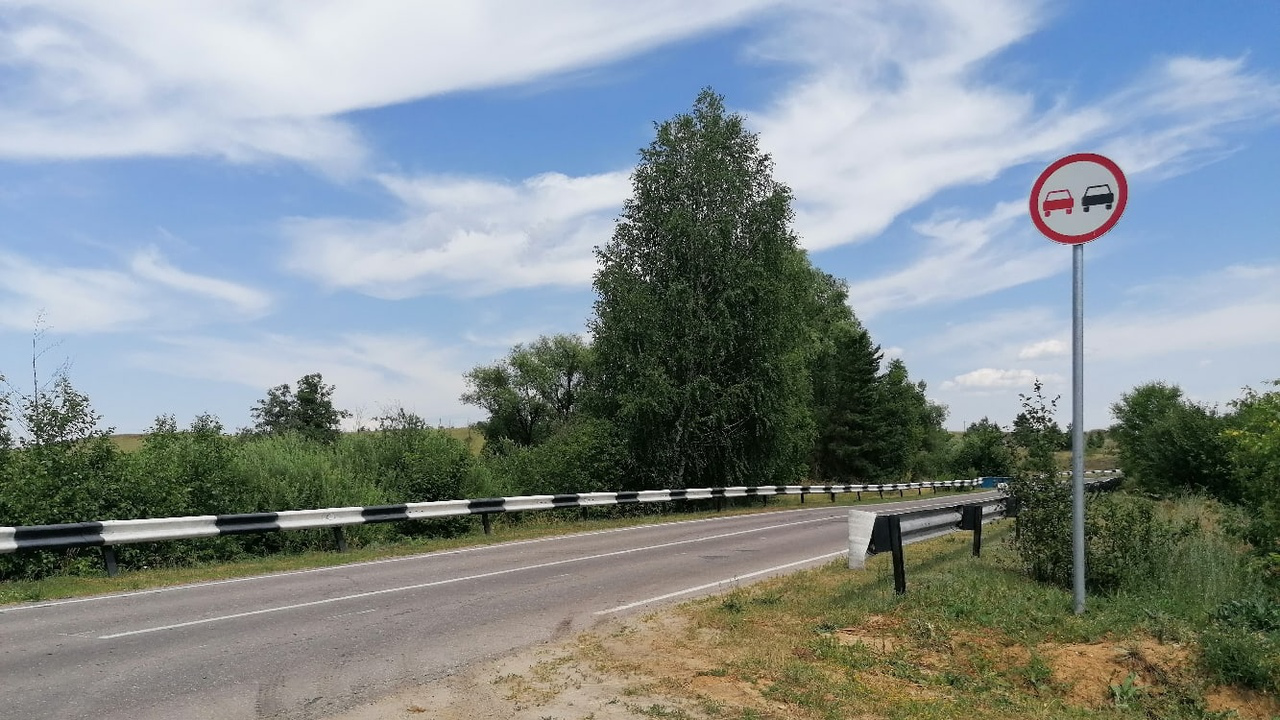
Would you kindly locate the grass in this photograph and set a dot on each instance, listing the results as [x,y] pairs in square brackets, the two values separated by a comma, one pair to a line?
[973,637]
[505,529]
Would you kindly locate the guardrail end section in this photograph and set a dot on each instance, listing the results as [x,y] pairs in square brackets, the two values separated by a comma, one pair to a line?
[860,526]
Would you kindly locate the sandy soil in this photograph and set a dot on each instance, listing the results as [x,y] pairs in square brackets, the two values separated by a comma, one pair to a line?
[658,665]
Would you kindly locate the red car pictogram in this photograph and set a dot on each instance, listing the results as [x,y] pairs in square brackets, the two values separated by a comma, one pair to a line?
[1058,200]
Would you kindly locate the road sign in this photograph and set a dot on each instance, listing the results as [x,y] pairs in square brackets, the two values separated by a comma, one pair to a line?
[1075,200]
[1078,198]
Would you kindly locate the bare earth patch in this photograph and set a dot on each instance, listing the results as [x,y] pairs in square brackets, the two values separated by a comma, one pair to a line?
[1090,670]
[663,666]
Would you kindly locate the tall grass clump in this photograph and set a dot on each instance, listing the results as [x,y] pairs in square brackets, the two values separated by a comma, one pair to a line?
[1176,559]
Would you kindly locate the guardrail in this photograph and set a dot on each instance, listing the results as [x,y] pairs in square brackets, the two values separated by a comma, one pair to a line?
[109,533]
[871,532]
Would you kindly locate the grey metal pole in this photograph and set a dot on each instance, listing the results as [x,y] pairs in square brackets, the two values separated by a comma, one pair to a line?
[1077,423]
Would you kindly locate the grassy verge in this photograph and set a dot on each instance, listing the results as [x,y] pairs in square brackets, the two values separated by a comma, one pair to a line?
[972,638]
[506,528]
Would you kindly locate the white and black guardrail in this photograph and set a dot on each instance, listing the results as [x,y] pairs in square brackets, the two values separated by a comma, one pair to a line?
[109,533]
[871,532]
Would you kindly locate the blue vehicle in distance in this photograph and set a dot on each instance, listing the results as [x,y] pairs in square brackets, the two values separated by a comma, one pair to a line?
[1097,195]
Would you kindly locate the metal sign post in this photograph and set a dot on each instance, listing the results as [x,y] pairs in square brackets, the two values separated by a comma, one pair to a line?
[1094,186]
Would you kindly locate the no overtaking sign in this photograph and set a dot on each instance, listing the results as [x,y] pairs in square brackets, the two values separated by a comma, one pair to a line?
[1075,200]
[1078,198]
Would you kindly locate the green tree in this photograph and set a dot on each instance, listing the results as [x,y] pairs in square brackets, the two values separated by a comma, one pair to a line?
[309,412]
[532,392]
[845,381]
[1253,442]
[982,451]
[6,433]
[1167,443]
[66,469]
[1036,433]
[189,471]
[904,421]
[700,327]
[1041,498]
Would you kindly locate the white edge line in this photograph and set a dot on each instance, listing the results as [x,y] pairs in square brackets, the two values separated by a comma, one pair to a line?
[450,581]
[718,583]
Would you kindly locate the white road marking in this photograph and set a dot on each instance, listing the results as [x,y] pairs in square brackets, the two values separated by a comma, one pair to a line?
[450,581]
[442,553]
[733,579]
[420,556]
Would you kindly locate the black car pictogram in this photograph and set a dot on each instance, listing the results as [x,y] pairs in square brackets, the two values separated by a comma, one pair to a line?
[1097,195]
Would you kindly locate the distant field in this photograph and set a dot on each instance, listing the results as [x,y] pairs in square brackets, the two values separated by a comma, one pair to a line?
[129,442]
[473,438]
[1092,461]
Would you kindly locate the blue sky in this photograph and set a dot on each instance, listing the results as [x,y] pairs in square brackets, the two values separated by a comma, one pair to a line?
[203,200]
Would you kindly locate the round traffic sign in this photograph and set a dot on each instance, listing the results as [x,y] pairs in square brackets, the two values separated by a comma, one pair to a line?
[1078,198]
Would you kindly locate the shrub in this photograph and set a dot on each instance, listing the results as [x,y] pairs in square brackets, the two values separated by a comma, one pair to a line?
[585,456]
[1126,542]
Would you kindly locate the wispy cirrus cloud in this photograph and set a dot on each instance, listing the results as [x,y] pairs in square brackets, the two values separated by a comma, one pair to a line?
[464,236]
[255,80]
[960,258]
[370,371]
[150,292]
[871,127]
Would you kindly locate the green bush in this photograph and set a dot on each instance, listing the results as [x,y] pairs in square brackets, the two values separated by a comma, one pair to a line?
[585,456]
[1128,545]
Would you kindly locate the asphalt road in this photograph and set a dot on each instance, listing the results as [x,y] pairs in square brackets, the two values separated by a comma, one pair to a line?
[311,643]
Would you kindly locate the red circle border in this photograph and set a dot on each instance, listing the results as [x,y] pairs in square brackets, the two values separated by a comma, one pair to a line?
[1122,199]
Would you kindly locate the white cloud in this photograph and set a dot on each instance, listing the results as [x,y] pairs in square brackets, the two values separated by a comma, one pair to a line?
[891,111]
[467,236]
[992,378]
[78,299]
[1234,308]
[1044,349]
[1184,109]
[369,371]
[70,299]
[962,258]
[81,78]
[149,265]
[888,110]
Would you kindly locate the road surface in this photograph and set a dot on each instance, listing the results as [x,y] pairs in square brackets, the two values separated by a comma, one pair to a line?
[312,643]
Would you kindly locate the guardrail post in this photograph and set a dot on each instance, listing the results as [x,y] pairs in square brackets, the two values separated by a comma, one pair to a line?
[719,503]
[339,538]
[971,519]
[109,560]
[899,562]
[881,490]
[764,500]
[801,497]
[901,493]
[488,524]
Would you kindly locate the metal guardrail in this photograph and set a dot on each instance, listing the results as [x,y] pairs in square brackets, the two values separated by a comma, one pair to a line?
[871,533]
[109,533]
